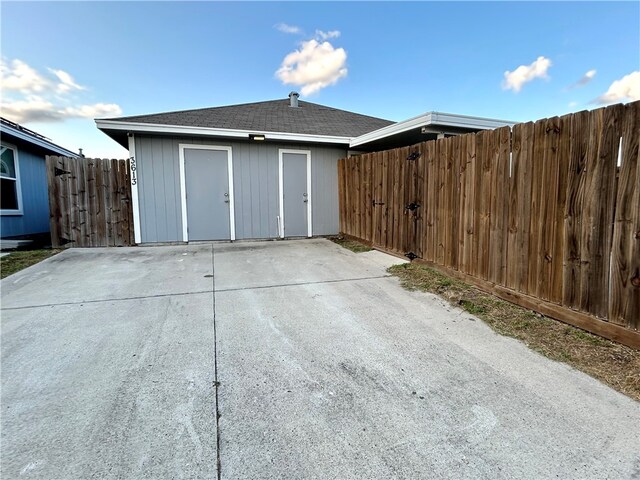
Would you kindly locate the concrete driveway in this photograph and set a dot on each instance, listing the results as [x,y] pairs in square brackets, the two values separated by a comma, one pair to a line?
[324,368]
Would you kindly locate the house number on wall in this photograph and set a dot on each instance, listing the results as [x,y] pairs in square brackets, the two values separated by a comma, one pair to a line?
[134,178]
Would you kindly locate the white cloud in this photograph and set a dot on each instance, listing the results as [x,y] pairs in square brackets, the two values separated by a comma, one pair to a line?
[627,88]
[586,78]
[284,28]
[37,109]
[320,35]
[573,104]
[67,83]
[18,76]
[313,67]
[516,79]
[30,96]
[96,110]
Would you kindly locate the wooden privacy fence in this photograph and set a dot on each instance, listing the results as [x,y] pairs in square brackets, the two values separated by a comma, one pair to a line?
[89,202]
[544,214]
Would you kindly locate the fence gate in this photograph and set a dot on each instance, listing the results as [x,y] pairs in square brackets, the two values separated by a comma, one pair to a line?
[89,202]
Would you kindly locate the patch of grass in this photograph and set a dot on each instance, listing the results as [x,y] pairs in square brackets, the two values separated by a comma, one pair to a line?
[616,365]
[21,259]
[352,245]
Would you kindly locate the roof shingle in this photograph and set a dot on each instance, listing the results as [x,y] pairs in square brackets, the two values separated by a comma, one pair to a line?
[271,116]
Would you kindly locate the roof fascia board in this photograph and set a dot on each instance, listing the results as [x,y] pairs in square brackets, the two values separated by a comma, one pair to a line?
[429,119]
[222,132]
[393,129]
[38,141]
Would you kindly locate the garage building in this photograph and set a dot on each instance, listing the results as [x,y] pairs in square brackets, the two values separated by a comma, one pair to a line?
[252,171]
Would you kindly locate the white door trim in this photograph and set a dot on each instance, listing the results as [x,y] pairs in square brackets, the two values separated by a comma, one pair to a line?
[282,151]
[183,186]
[133,166]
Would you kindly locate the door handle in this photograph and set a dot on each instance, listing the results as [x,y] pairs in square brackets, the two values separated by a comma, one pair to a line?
[226,198]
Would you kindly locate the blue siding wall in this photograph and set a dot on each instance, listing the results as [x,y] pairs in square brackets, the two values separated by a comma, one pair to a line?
[35,200]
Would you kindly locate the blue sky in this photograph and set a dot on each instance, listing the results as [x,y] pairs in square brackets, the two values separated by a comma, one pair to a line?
[65,63]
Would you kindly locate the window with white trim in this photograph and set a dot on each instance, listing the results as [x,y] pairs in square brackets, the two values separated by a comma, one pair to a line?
[10,198]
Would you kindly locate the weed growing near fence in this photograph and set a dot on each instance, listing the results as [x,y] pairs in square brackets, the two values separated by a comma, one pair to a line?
[616,365]
[352,245]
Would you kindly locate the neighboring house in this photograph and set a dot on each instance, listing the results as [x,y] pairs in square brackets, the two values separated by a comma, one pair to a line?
[24,211]
[257,170]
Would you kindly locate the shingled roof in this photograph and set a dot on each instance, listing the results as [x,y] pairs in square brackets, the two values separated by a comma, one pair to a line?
[270,116]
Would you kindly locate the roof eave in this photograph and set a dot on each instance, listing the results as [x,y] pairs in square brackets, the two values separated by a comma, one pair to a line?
[430,119]
[140,127]
[52,147]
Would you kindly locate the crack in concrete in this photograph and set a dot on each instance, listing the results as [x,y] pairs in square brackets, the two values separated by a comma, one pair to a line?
[199,292]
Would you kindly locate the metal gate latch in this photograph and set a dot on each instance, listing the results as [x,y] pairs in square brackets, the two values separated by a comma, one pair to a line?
[412,206]
[374,203]
[414,156]
[411,256]
[58,171]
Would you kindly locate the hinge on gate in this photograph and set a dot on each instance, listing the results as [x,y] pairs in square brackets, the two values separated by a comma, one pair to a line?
[411,256]
[412,206]
[374,203]
[64,241]
[414,156]
[58,171]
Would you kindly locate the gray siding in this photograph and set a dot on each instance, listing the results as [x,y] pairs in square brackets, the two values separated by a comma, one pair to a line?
[35,200]
[255,174]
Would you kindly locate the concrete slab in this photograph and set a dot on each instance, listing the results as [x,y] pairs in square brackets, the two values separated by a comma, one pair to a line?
[361,379]
[96,274]
[109,389]
[264,264]
[327,369]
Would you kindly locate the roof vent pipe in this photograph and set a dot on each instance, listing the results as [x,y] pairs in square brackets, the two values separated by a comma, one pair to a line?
[293,99]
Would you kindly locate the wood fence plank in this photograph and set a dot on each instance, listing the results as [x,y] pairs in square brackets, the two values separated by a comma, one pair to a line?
[557,254]
[488,147]
[108,199]
[453,164]
[66,204]
[420,172]
[599,200]
[468,208]
[624,305]
[123,179]
[403,170]
[511,280]
[384,217]
[499,205]
[430,195]
[73,203]
[576,186]
[101,225]
[441,213]
[397,179]
[366,200]
[92,206]
[54,205]
[537,168]
[115,204]
[548,203]
[341,196]
[83,203]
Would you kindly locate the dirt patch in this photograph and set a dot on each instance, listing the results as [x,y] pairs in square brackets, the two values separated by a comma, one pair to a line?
[616,365]
[21,259]
[352,245]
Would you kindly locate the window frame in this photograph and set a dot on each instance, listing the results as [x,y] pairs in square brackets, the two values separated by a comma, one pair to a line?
[16,163]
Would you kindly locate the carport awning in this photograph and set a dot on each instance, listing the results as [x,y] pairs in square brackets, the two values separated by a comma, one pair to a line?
[423,127]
